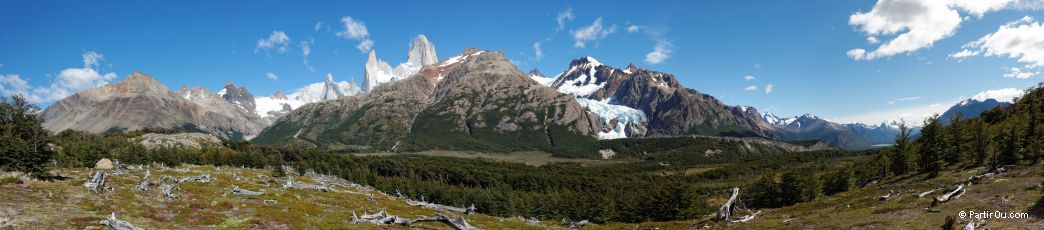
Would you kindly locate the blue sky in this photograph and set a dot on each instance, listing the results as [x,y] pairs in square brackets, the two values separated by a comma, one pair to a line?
[804,49]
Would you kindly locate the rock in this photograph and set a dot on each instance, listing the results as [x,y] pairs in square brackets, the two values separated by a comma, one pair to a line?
[103,164]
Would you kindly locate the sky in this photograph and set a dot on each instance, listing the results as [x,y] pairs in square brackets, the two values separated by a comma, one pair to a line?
[847,61]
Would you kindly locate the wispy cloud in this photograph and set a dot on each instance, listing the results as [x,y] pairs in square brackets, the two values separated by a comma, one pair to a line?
[632,28]
[892,102]
[751,88]
[1005,94]
[769,88]
[660,53]
[271,76]
[356,30]
[591,33]
[538,53]
[306,50]
[749,78]
[277,41]
[563,17]
[1019,73]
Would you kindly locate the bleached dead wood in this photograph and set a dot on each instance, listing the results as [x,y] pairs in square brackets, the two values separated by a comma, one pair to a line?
[746,218]
[168,191]
[725,211]
[383,218]
[886,196]
[96,181]
[975,223]
[238,191]
[925,193]
[203,178]
[574,224]
[956,193]
[976,179]
[303,186]
[458,223]
[113,223]
[469,210]
[169,179]
[145,182]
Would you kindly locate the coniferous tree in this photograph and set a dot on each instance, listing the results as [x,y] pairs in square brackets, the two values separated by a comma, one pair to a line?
[955,141]
[1008,152]
[929,146]
[900,153]
[23,141]
[980,141]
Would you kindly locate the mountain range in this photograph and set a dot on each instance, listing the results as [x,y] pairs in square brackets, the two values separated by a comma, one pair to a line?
[474,100]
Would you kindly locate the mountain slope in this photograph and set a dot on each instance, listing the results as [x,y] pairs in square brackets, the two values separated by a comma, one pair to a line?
[669,108]
[139,101]
[476,100]
[971,108]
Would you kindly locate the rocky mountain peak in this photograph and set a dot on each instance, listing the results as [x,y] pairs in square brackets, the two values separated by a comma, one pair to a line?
[422,52]
[239,96]
[279,95]
[630,68]
[536,72]
[137,82]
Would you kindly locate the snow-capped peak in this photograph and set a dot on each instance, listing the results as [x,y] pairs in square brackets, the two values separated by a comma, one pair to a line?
[592,61]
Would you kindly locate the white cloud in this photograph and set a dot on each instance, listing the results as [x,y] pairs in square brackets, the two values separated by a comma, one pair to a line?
[1006,94]
[306,50]
[1022,39]
[661,51]
[68,81]
[632,28]
[563,17]
[757,66]
[769,88]
[872,40]
[365,45]
[1016,72]
[751,88]
[91,59]
[892,102]
[271,76]
[277,41]
[356,30]
[318,25]
[12,84]
[537,51]
[749,77]
[591,33]
[915,24]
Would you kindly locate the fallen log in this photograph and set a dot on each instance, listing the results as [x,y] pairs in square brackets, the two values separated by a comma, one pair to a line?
[956,193]
[113,223]
[886,196]
[458,223]
[204,178]
[976,179]
[746,218]
[145,182]
[725,211]
[925,193]
[469,210]
[303,186]
[238,191]
[168,191]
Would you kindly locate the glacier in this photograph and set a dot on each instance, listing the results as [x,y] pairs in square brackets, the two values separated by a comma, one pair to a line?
[607,112]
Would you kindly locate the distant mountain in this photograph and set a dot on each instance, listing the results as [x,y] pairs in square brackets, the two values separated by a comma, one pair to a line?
[971,108]
[376,71]
[139,101]
[848,136]
[635,102]
[276,105]
[476,100]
